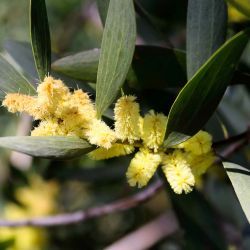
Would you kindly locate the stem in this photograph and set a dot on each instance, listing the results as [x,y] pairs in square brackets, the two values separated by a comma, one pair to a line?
[80,216]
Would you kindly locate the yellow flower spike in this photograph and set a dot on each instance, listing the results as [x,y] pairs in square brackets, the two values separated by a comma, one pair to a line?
[200,164]
[100,134]
[154,128]
[127,119]
[52,90]
[178,172]
[49,128]
[15,102]
[51,94]
[142,167]
[81,100]
[200,143]
[115,151]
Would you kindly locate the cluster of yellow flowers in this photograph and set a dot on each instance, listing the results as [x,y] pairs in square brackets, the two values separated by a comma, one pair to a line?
[38,200]
[72,113]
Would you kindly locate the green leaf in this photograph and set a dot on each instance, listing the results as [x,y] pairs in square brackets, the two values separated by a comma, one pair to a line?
[103,6]
[53,147]
[240,180]
[206,31]
[40,37]
[11,81]
[201,95]
[117,51]
[21,52]
[243,6]
[152,67]
[81,66]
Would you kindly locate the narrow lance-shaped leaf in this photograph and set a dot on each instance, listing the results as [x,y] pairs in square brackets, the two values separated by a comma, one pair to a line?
[21,53]
[152,67]
[11,81]
[117,51]
[103,6]
[201,95]
[240,179]
[58,147]
[40,37]
[206,31]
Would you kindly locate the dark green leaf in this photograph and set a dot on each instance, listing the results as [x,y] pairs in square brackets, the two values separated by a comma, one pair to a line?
[103,6]
[117,51]
[200,96]
[40,37]
[206,31]
[11,81]
[152,67]
[82,65]
[240,180]
[58,147]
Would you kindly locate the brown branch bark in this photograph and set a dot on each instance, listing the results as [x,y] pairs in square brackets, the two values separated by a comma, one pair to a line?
[71,218]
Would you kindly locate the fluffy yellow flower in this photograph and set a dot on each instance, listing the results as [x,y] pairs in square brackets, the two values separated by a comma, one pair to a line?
[60,112]
[115,151]
[200,164]
[127,119]
[51,93]
[142,167]
[49,128]
[64,113]
[15,102]
[83,103]
[200,143]
[154,127]
[52,90]
[178,172]
[100,134]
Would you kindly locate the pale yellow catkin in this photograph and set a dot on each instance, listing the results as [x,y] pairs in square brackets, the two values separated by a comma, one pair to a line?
[127,119]
[178,172]
[142,167]
[153,130]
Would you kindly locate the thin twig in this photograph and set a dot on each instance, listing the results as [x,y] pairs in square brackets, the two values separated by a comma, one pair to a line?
[233,148]
[119,205]
[71,218]
[235,143]
[232,139]
[149,234]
